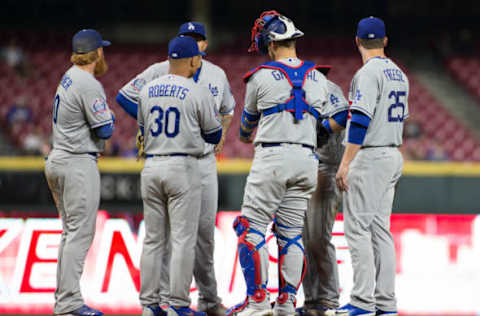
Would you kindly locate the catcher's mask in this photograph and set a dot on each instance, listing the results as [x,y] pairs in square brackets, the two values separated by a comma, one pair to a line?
[271,26]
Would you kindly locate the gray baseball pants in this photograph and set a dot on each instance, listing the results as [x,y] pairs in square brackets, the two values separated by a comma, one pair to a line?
[74,181]
[280,183]
[320,285]
[203,272]
[170,189]
[367,206]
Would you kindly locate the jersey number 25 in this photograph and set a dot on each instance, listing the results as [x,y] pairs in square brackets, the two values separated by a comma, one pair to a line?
[396,111]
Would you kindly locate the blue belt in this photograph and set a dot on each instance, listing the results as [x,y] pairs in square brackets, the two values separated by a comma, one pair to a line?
[391,145]
[280,144]
[169,155]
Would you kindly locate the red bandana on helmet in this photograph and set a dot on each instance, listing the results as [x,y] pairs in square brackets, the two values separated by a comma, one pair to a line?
[258,28]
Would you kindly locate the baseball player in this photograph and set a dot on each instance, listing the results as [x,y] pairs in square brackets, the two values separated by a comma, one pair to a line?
[371,166]
[320,285]
[215,79]
[284,98]
[82,121]
[174,114]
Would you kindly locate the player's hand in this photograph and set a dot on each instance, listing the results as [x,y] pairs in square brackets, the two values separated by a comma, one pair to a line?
[140,146]
[219,147]
[246,140]
[341,177]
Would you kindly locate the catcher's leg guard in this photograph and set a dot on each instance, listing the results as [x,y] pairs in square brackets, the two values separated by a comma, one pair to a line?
[250,259]
[285,288]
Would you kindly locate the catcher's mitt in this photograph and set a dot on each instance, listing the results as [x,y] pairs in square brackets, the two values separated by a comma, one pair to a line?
[322,134]
[140,146]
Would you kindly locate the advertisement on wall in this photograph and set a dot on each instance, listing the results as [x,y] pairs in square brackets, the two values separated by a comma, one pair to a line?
[438,264]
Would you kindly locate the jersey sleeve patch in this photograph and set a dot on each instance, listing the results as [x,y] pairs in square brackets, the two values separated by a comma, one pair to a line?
[99,106]
[138,84]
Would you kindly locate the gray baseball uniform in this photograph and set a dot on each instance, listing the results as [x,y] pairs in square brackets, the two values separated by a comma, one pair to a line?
[215,79]
[73,177]
[282,177]
[380,91]
[320,284]
[174,112]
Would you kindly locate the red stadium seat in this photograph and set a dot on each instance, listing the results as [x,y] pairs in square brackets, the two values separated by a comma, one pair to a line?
[126,61]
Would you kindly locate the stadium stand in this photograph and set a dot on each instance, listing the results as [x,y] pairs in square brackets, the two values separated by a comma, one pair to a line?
[49,61]
[466,69]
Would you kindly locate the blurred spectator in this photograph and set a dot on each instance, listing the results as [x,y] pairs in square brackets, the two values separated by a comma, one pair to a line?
[19,112]
[111,148]
[34,143]
[131,151]
[414,148]
[436,152]
[16,58]
[414,142]
[412,129]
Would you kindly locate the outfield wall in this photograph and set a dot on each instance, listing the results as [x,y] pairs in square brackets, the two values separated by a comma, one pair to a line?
[424,187]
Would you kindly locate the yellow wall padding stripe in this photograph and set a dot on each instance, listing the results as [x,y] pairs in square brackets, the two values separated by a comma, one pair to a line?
[242,166]
[441,169]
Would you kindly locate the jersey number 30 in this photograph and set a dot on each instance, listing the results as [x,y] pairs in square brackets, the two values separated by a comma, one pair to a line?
[396,111]
[171,114]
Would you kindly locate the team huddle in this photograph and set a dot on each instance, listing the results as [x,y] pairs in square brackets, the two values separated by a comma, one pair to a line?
[313,149]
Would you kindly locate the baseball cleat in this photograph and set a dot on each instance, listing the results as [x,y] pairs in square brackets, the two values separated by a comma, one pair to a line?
[84,311]
[184,311]
[217,310]
[243,309]
[384,313]
[153,310]
[350,310]
[302,311]
[317,310]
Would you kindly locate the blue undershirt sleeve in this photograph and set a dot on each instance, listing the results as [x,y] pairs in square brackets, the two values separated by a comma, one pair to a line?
[341,118]
[358,128]
[130,107]
[356,134]
[104,131]
[213,138]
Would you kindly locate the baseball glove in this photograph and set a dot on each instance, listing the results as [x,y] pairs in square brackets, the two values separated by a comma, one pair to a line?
[322,134]
[140,146]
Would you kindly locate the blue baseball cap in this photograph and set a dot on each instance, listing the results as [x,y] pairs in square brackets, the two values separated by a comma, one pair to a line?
[192,27]
[87,40]
[371,28]
[183,47]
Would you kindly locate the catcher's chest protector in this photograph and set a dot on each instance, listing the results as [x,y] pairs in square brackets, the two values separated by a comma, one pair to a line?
[296,77]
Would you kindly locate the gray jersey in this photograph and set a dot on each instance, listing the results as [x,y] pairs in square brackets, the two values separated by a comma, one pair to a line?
[267,88]
[80,105]
[209,75]
[331,153]
[174,111]
[380,91]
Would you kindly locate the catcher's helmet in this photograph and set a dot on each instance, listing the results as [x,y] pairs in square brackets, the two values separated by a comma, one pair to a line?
[271,26]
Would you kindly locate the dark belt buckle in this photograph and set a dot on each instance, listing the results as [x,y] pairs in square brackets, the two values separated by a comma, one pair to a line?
[271,144]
